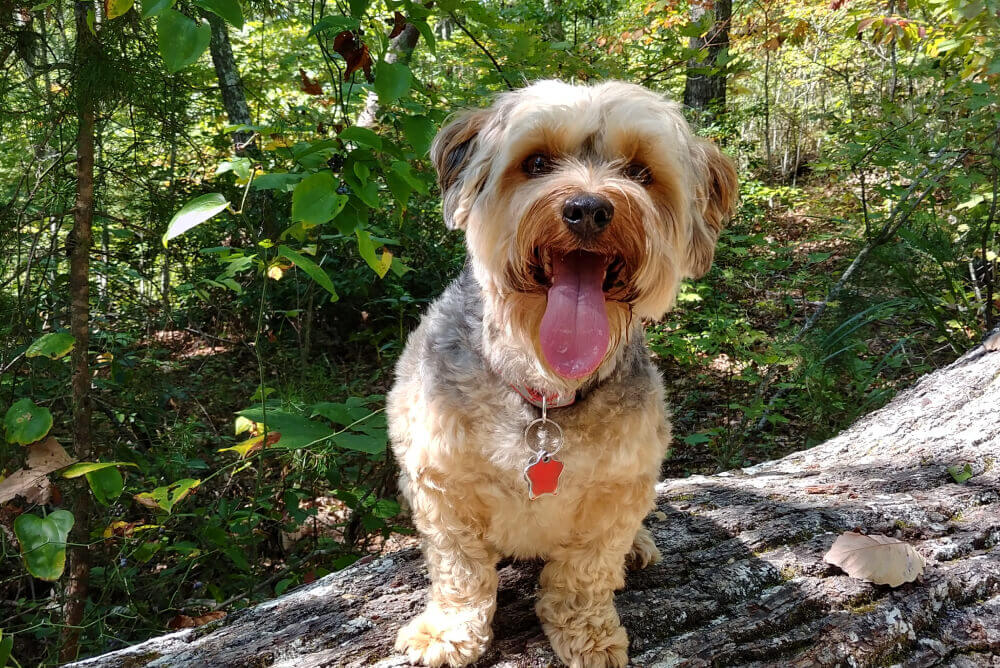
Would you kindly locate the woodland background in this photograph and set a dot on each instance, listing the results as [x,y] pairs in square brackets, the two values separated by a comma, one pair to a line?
[218,224]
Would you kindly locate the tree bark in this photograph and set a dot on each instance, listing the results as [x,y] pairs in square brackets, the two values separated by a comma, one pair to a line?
[234,99]
[705,85]
[260,204]
[79,287]
[742,581]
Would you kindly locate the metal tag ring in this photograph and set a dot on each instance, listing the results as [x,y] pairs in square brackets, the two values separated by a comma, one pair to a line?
[534,426]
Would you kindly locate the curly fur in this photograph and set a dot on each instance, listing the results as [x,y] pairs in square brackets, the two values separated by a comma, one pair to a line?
[455,423]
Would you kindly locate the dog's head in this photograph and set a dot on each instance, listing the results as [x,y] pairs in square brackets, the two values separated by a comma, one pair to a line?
[583,207]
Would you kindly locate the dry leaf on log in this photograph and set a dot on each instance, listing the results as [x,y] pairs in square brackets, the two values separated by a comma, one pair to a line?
[875,558]
[185,622]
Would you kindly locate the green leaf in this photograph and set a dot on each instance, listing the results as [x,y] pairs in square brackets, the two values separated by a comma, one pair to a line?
[316,200]
[276,181]
[367,443]
[386,508]
[358,7]
[117,8]
[26,423]
[228,10]
[960,475]
[92,23]
[83,468]
[419,131]
[168,496]
[342,414]
[425,31]
[106,484]
[314,270]
[241,166]
[296,431]
[392,81]
[53,345]
[335,23]
[361,136]
[194,213]
[155,7]
[181,40]
[6,645]
[367,250]
[43,542]
[238,558]
[405,171]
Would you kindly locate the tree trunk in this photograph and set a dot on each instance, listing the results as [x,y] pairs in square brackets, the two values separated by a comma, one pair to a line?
[705,85]
[234,99]
[742,581]
[260,204]
[79,287]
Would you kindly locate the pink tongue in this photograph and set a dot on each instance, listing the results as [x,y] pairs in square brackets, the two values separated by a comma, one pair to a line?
[574,330]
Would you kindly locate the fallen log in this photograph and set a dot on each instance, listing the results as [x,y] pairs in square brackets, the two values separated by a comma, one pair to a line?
[742,581]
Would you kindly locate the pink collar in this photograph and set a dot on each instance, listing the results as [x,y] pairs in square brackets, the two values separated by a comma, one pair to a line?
[535,397]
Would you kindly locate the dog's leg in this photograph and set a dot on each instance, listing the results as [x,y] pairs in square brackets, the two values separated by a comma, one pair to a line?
[577,607]
[644,551]
[456,627]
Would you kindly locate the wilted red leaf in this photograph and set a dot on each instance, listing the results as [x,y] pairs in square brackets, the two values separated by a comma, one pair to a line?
[355,53]
[398,23]
[309,86]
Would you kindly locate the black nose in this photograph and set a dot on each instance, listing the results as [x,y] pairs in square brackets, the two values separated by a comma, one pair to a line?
[587,214]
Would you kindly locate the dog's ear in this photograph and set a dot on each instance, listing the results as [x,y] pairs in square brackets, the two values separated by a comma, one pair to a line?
[715,198]
[450,153]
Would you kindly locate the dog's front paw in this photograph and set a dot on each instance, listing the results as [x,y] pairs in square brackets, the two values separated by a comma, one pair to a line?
[437,638]
[644,551]
[589,645]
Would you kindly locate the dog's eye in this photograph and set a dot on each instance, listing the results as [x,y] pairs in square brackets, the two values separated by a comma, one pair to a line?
[639,173]
[537,164]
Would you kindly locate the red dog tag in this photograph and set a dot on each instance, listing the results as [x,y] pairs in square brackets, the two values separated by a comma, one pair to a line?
[543,475]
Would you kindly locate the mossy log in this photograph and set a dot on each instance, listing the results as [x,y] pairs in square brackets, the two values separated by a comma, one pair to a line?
[742,581]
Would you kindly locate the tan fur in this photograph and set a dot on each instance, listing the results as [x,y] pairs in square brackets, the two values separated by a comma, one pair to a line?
[455,423]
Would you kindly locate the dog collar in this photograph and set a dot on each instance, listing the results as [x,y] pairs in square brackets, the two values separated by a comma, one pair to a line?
[534,397]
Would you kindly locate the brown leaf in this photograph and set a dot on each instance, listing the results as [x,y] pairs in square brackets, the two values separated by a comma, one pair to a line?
[185,622]
[32,482]
[47,455]
[398,23]
[309,86]
[355,53]
[875,558]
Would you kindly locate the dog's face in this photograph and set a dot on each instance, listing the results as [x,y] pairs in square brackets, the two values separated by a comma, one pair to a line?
[584,207]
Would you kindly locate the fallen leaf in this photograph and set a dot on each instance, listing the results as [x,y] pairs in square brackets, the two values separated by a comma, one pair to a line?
[47,455]
[875,558]
[185,622]
[32,482]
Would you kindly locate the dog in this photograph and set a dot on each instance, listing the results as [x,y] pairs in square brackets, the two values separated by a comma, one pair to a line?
[526,416]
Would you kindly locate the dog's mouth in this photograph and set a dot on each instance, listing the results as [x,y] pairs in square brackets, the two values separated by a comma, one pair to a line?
[574,331]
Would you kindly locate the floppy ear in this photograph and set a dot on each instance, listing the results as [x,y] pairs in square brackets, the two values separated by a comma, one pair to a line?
[450,153]
[715,198]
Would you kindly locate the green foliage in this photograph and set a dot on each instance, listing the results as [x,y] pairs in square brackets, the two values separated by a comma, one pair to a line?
[195,212]
[26,422]
[182,40]
[53,345]
[43,542]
